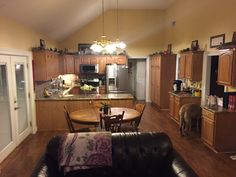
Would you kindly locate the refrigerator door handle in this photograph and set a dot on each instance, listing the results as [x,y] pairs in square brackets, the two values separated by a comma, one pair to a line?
[117,82]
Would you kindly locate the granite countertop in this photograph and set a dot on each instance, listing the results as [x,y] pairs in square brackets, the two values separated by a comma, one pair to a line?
[184,94]
[111,96]
[216,109]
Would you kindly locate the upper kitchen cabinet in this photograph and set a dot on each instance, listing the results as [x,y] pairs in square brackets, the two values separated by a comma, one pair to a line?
[45,64]
[162,76]
[67,64]
[190,65]
[120,59]
[77,61]
[102,64]
[227,68]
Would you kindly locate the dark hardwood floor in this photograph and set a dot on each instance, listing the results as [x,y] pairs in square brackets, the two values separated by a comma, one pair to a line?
[204,161]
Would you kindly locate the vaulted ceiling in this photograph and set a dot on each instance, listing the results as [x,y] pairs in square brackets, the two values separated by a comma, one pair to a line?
[60,18]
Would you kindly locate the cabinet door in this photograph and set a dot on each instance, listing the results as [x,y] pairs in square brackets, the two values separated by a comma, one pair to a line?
[85,59]
[188,66]
[110,59]
[176,109]
[78,61]
[52,65]
[102,64]
[121,60]
[207,130]
[171,105]
[225,68]
[94,60]
[182,66]
[70,64]
[39,63]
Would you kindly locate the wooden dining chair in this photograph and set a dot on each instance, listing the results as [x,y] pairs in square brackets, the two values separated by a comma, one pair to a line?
[133,126]
[140,108]
[70,124]
[112,123]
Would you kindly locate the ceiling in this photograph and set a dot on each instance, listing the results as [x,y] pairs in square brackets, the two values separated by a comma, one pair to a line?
[60,18]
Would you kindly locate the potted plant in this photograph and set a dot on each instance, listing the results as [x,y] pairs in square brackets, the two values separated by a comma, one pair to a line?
[105,107]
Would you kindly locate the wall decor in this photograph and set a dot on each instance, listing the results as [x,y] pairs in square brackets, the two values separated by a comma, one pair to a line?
[234,38]
[216,41]
[84,48]
[42,44]
[194,45]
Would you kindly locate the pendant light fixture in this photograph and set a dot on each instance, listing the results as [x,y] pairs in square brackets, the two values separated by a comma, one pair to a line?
[105,45]
[119,44]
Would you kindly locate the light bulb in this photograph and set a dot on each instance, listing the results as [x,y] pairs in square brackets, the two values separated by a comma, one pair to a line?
[96,48]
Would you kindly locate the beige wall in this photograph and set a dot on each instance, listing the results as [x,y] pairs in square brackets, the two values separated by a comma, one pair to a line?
[18,37]
[141,30]
[198,20]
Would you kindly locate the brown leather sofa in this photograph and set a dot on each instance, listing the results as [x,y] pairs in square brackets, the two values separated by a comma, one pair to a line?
[133,155]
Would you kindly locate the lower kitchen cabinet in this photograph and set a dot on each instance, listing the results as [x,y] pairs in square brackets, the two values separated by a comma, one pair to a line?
[178,100]
[218,129]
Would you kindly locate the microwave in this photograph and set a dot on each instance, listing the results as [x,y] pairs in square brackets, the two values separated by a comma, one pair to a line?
[89,68]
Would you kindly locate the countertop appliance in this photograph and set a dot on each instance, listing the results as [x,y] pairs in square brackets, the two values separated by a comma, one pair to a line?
[117,78]
[177,85]
[94,82]
[89,68]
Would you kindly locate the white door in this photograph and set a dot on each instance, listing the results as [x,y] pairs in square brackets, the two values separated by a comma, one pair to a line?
[20,97]
[14,103]
[141,80]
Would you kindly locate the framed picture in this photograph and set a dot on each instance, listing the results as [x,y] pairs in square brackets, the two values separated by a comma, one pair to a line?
[85,48]
[216,41]
[42,43]
[234,38]
[194,45]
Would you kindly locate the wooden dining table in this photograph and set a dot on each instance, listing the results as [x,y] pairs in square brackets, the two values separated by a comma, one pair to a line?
[91,116]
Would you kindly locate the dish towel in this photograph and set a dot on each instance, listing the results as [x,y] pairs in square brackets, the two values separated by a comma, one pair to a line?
[85,150]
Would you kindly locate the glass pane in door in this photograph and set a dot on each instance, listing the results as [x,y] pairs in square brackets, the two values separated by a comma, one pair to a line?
[5,117]
[21,98]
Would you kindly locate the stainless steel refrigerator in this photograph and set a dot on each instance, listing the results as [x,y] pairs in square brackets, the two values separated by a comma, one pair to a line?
[117,78]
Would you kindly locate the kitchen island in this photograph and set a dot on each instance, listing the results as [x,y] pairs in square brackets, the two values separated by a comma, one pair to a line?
[49,110]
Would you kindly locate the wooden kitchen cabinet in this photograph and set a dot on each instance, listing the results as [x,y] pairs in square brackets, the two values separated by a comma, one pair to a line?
[190,65]
[227,69]
[101,60]
[77,61]
[120,59]
[171,105]
[177,101]
[218,129]
[102,64]
[67,64]
[162,76]
[45,65]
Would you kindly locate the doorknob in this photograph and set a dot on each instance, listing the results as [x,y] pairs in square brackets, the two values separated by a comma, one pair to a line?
[17,108]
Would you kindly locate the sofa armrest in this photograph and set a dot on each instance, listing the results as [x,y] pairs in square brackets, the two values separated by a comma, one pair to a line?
[180,167]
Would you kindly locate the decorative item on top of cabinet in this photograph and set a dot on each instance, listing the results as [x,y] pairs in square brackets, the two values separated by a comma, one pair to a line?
[218,129]
[190,65]
[46,65]
[162,76]
[67,64]
[227,68]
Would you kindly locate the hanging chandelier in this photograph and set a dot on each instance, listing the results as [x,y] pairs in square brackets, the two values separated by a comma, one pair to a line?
[104,45]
